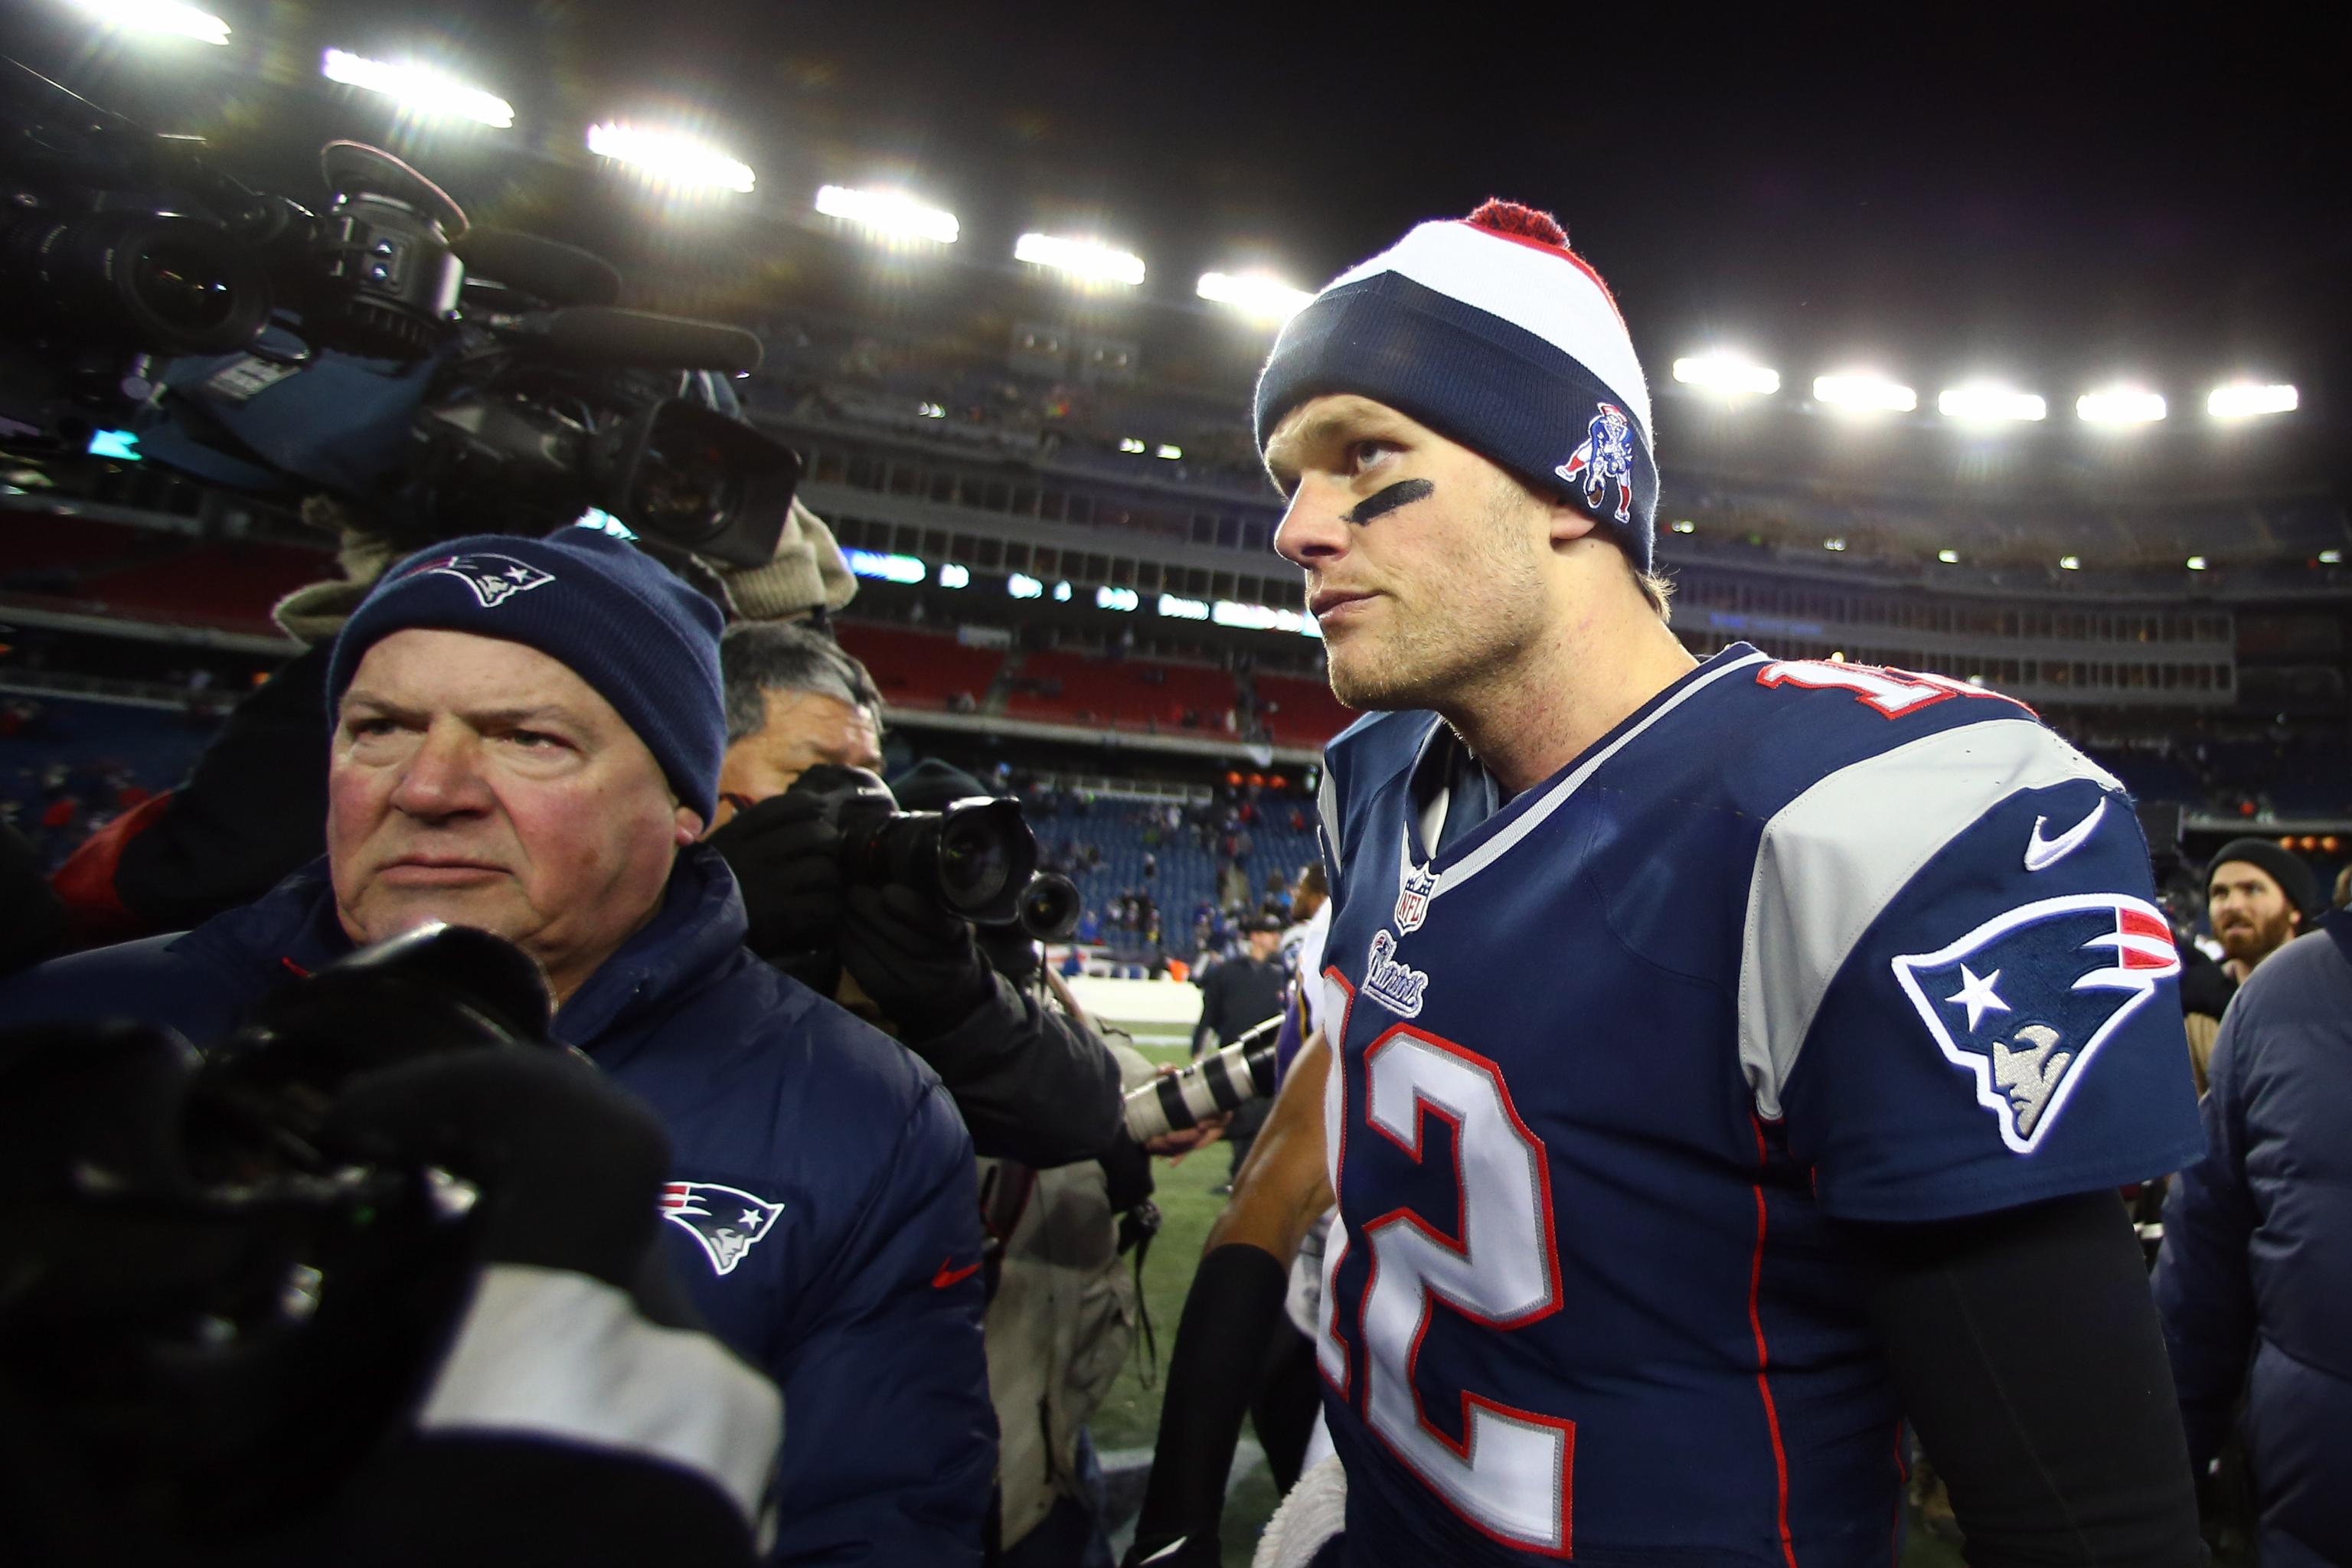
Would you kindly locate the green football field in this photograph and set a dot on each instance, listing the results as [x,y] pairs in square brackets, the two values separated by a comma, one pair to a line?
[1129,1418]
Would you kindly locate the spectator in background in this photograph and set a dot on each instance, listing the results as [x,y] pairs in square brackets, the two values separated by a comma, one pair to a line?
[1237,997]
[2343,888]
[2257,1266]
[2258,897]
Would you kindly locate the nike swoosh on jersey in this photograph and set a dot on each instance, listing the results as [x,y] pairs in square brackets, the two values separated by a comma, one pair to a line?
[2040,853]
[947,1276]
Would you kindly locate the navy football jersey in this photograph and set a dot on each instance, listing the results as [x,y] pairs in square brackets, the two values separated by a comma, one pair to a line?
[1797,942]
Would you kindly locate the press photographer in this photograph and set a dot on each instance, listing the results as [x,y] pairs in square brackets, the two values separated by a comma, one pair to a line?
[527,739]
[375,1280]
[1033,1085]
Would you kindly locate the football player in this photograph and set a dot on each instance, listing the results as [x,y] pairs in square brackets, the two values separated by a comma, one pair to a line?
[1731,1059]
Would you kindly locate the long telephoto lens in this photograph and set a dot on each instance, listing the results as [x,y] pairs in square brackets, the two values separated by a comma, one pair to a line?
[1218,1081]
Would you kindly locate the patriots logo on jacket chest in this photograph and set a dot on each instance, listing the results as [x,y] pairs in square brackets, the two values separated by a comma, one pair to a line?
[726,1221]
[2024,1001]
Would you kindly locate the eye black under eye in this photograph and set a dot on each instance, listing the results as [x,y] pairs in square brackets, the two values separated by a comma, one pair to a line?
[1404,492]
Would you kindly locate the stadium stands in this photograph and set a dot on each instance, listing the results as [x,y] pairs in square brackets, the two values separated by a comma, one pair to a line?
[919,668]
[1300,712]
[1131,694]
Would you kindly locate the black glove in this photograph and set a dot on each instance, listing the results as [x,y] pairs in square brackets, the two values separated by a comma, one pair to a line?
[917,962]
[785,854]
[570,1166]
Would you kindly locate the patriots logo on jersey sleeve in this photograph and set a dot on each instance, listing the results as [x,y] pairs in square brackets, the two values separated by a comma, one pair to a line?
[725,1220]
[2025,1000]
[494,578]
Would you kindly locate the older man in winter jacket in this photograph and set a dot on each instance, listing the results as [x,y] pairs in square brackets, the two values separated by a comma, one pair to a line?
[525,740]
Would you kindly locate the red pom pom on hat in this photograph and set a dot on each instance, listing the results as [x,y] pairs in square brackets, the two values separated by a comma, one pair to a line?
[1510,217]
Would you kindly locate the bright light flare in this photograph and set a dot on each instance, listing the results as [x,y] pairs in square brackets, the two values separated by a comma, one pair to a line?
[1173,454]
[1949,557]
[2244,400]
[2070,564]
[2196,563]
[417,88]
[2120,406]
[1257,294]
[670,159]
[1987,404]
[888,215]
[1088,260]
[158,17]
[1727,375]
[1864,394]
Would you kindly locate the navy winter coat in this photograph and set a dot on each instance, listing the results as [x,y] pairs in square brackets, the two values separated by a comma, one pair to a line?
[823,1200]
[2254,1282]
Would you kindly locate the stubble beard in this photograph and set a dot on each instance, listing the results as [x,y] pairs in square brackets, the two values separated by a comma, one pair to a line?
[1467,630]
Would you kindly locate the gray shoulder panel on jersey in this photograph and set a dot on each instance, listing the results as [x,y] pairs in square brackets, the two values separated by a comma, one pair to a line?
[1327,806]
[1832,859]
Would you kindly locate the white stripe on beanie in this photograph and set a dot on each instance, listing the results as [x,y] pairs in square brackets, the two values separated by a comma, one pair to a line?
[1537,288]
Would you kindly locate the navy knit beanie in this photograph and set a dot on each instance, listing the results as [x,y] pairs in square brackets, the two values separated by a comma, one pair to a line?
[609,613]
[1490,330]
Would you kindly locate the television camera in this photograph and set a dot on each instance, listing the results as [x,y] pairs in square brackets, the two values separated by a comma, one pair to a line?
[440,377]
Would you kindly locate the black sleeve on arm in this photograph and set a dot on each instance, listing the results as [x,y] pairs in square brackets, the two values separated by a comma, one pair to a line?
[1230,1316]
[1031,1083]
[2025,1349]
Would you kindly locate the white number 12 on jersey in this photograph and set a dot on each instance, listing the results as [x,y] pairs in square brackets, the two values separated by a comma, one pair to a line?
[1510,1476]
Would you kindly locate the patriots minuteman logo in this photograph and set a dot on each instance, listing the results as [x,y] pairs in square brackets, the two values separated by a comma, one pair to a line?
[2025,1000]
[1606,457]
[725,1220]
[494,579]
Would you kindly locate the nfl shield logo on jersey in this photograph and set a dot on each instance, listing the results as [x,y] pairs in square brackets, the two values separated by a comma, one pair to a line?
[1413,898]
[725,1220]
[494,579]
[2024,1001]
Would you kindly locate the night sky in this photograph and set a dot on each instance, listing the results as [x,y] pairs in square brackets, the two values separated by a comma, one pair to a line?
[2063,197]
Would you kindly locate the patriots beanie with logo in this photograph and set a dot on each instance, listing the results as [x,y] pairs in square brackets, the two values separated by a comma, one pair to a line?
[610,614]
[1490,330]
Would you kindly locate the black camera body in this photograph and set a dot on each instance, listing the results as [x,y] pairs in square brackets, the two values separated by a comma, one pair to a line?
[250,341]
[975,859]
[209,1306]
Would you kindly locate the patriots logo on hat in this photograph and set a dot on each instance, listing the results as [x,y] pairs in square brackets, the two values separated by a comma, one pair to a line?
[2025,1000]
[1606,457]
[494,579]
[727,1221]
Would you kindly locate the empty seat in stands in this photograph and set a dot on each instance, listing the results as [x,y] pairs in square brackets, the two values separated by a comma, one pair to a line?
[1073,688]
[919,668]
[1300,712]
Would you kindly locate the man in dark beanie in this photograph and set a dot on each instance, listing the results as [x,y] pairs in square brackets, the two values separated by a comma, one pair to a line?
[2258,898]
[527,737]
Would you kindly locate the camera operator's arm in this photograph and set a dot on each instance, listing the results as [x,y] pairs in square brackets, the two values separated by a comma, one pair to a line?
[254,809]
[1231,1313]
[894,1336]
[1033,1085]
[578,1414]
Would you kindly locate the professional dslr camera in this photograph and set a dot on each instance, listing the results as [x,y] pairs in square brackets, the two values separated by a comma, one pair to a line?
[977,859]
[212,1306]
[383,350]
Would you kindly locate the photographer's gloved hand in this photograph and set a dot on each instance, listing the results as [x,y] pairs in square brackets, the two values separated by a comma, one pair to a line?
[918,962]
[569,1165]
[785,854]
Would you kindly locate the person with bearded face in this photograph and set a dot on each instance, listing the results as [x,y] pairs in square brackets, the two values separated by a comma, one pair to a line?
[2258,898]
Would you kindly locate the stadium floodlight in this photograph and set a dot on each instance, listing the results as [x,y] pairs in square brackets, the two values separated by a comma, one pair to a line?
[669,158]
[417,88]
[2120,406]
[888,215]
[1132,443]
[952,575]
[931,411]
[1123,600]
[2244,400]
[1864,393]
[1836,544]
[1985,404]
[1088,260]
[1685,525]
[1183,609]
[1727,375]
[890,568]
[2196,563]
[158,17]
[2070,564]
[1257,294]
[2331,558]
[1021,585]
[1171,453]
[1949,557]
